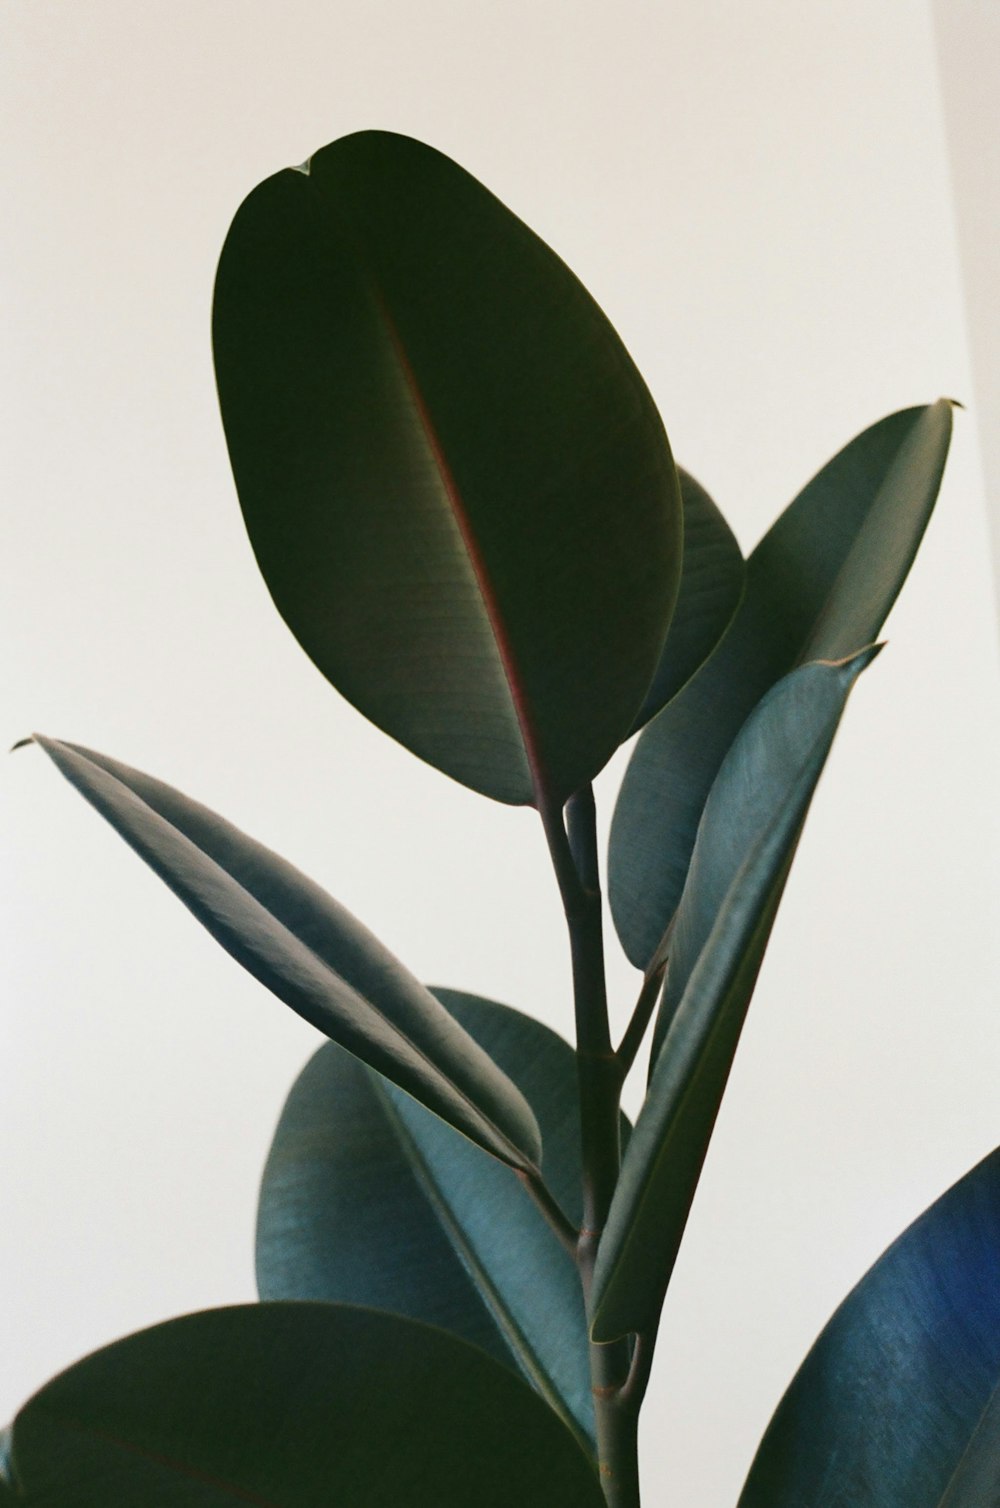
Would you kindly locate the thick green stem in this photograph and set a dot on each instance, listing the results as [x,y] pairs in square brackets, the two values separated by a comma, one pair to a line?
[574,857]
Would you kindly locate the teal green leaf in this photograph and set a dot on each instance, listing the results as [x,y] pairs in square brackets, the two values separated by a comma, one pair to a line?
[746,841]
[309,951]
[712,579]
[367,1198]
[455,482]
[295,1406]
[897,1405]
[819,586]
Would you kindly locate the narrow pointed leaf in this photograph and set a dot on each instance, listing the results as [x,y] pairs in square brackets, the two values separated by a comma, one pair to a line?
[897,1404]
[455,482]
[745,846]
[712,580]
[367,1198]
[294,1406]
[819,586]
[309,951]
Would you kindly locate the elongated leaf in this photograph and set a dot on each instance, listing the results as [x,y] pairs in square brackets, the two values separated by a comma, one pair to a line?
[819,586]
[897,1404]
[712,579]
[745,845]
[308,951]
[367,1198]
[455,482]
[295,1406]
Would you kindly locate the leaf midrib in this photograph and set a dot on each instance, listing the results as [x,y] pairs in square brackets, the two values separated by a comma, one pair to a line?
[517,1341]
[166,1463]
[520,1160]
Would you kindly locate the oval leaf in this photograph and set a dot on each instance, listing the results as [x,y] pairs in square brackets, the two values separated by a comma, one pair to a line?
[751,825]
[295,1406]
[897,1404]
[712,579]
[308,950]
[455,482]
[819,586]
[369,1199]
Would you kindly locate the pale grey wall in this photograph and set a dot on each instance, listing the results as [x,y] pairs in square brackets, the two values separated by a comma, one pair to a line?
[968,45]
[757,193]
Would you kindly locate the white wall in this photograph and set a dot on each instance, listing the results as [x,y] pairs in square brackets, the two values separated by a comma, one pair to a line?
[756,192]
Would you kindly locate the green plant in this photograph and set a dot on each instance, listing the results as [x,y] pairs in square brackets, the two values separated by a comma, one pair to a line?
[465,507]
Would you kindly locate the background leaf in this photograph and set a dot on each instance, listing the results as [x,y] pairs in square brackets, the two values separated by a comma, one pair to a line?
[455,482]
[295,1406]
[712,578]
[819,586]
[367,1198]
[308,951]
[897,1404]
[746,841]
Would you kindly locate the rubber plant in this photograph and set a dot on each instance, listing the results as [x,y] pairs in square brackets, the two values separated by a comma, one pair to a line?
[463,502]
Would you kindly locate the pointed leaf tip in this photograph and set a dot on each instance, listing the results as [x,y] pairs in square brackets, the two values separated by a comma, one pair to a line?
[746,840]
[819,584]
[308,950]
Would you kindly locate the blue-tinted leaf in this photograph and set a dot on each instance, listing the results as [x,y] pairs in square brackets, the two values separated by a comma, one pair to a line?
[818,586]
[308,951]
[897,1404]
[295,1406]
[745,845]
[368,1198]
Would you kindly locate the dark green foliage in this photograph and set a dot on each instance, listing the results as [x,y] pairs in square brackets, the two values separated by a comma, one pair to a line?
[819,586]
[712,579]
[308,950]
[897,1404]
[294,1406]
[465,507]
[457,487]
[746,841]
[367,1198]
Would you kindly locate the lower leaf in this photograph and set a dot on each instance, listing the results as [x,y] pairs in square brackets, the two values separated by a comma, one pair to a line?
[368,1198]
[294,1406]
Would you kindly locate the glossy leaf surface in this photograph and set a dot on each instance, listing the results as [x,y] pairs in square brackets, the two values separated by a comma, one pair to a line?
[712,578]
[897,1404]
[455,482]
[819,586]
[745,845]
[309,951]
[294,1406]
[367,1198]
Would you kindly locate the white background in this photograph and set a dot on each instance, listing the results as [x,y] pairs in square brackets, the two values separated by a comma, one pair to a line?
[757,194]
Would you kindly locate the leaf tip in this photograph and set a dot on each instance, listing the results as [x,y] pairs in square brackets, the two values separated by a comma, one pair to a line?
[23,743]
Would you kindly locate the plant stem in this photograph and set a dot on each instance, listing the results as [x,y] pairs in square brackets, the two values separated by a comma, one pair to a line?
[573,847]
[644,1008]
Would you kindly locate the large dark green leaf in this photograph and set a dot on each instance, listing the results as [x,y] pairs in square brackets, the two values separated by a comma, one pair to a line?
[295,1406]
[308,951]
[746,841]
[712,578]
[819,586]
[367,1198]
[455,482]
[897,1404]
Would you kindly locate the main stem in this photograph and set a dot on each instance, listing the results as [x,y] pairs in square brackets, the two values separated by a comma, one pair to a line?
[574,855]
